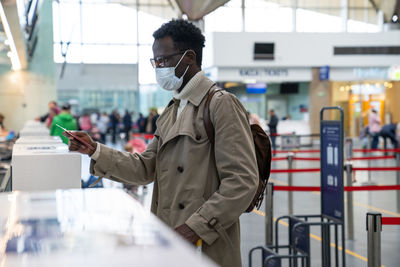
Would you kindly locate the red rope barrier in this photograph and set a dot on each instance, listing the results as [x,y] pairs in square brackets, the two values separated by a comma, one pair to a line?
[391,220]
[279,158]
[318,159]
[296,188]
[294,170]
[311,159]
[296,151]
[372,187]
[377,150]
[354,150]
[376,169]
[346,188]
[373,158]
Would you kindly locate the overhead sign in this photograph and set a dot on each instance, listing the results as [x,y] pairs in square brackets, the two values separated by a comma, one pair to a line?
[259,74]
[332,198]
[256,88]
[324,73]
[371,73]
[358,74]
[264,72]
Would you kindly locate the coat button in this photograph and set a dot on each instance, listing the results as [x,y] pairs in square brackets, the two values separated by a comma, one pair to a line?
[180,169]
[181,206]
[198,137]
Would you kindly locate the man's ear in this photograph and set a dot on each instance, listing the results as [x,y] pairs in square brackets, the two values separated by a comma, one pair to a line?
[191,57]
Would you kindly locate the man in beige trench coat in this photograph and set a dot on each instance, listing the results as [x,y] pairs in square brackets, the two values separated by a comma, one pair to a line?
[200,190]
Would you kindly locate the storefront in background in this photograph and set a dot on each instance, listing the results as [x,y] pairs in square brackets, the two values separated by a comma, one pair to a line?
[365,89]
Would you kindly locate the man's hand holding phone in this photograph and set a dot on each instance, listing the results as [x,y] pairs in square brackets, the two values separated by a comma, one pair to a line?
[81,142]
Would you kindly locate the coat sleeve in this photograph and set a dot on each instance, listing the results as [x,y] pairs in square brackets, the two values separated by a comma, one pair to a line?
[237,169]
[125,167]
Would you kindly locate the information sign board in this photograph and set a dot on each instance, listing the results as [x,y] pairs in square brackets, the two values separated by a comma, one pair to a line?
[332,198]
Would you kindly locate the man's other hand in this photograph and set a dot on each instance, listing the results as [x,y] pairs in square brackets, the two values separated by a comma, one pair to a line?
[187,233]
[75,145]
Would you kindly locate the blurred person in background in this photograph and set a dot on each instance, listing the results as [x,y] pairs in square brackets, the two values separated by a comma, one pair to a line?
[273,124]
[52,113]
[150,121]
[94,117]
[85,124]
[47,118]
[389,131]
[102,125]
[3,131]
[141,123]
[65,120]
[2,122]
[374,124]
[127,122]
[114,124]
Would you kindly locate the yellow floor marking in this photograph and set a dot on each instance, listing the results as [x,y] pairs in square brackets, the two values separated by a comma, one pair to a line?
[376,209]
[352,253]
[355,203]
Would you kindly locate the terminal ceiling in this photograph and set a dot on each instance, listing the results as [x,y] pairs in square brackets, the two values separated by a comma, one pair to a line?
[196,9]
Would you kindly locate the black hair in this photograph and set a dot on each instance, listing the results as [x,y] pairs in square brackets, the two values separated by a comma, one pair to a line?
[185,36]
[66,106]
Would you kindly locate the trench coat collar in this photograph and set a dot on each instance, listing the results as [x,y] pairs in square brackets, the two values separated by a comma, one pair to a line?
[202,89]
[166,122]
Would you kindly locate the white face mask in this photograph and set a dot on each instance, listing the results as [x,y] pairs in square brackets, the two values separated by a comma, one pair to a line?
[166,77]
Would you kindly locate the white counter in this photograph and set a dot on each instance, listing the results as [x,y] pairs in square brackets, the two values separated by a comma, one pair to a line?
[45,167]
[83,228]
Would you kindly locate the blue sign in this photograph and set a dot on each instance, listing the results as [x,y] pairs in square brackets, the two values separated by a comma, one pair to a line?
[324,73]
[256,88]
[332,199]
[272,262]
[300,238]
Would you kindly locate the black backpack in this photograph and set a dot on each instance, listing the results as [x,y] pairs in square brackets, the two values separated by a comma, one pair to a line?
[262,146]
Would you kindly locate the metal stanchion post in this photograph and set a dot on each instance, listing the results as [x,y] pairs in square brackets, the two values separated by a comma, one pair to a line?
[269,214]
[374,228]
[326,245]
[290,182]
[348,148]
[398,181]
[350,221]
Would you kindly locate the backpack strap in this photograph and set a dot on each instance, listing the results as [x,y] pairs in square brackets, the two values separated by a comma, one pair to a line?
[207,117]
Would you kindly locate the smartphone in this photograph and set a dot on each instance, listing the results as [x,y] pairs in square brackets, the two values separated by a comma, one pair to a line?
[80,140]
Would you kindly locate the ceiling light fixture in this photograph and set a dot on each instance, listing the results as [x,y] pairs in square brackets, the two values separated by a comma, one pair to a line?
[15,62]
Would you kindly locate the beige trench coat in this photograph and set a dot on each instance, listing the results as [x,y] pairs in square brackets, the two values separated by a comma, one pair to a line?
[206,188]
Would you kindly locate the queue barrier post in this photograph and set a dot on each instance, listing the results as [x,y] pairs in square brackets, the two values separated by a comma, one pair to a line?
[374,228]
[290,182]
[269,214]
[350,219]
[398,181]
